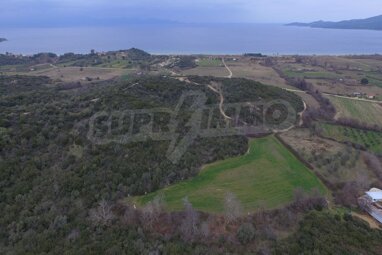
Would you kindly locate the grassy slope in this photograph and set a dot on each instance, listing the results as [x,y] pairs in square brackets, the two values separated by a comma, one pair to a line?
[266,176]
[363,111]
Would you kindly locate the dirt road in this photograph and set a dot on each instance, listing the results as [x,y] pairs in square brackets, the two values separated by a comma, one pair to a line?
[229,70]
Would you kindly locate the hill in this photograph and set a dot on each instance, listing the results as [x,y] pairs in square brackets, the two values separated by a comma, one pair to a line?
[3,39]
[52,175]
[373,23]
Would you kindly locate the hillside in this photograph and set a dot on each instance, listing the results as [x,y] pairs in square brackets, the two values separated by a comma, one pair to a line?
[373,23]
[52,175]
[80,175]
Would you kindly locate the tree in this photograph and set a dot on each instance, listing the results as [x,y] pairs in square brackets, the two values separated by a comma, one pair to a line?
[364,81]
[152,211]
[189,225]
[246,233]
[102,215]
[373,163]
[232,208]
[205,230]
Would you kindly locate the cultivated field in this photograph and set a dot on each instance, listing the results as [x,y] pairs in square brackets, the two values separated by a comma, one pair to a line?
[311,74]
[217,71]
[73,74]
[370,139]
[210,62]
[334,161]
[266,176]
[245,68]
[66,73]
[370,113]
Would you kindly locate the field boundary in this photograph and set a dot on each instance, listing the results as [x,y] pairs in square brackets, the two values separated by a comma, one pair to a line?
[327,183]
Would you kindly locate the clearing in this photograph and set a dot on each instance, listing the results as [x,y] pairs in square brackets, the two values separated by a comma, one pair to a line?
[265,177]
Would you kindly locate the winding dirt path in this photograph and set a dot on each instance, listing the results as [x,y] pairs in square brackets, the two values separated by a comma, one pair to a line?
[229,70]
[221,103]
[300,123]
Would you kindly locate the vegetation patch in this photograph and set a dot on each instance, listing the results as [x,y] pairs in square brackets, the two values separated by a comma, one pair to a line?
[266,176]
[325,232]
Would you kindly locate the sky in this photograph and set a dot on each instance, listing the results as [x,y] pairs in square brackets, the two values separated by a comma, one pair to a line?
[29,13]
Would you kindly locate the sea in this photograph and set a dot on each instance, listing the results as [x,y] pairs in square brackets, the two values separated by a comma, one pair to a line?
[268,39]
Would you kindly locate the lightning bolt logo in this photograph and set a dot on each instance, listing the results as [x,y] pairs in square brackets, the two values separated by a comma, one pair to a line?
[176,150]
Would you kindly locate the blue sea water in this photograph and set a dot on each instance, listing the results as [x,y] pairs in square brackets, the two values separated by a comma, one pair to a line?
[193,39]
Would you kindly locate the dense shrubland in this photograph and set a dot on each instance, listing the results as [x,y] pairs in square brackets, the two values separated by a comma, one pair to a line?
[60,190]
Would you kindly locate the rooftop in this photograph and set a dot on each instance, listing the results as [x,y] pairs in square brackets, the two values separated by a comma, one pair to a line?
[375,194]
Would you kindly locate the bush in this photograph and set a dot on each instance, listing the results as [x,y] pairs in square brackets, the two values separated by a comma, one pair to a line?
[246,233]
[364,81]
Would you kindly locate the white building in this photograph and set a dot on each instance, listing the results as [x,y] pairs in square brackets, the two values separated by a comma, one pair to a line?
[372,203]
[375,195]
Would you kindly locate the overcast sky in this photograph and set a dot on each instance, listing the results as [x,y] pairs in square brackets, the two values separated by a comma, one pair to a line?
[82,12]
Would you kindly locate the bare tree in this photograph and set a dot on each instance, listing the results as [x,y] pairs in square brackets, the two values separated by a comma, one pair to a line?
[130,216]
[348,195]
[148,216]
[101,215]
[189,226]
[152,211]
[205,229]
[299,197]
[374,164]
[232,208]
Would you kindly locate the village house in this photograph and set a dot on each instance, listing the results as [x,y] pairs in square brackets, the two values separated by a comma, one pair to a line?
[371,202]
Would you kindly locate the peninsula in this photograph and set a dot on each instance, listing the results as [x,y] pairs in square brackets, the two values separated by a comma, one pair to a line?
[373,23]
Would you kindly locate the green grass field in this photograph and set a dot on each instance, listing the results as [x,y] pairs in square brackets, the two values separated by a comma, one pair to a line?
[266,176]
[310,75]
[370,139]
[210,62]
[363,111]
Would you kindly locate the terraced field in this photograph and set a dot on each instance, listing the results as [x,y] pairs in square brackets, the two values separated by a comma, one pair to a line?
[368,112]
[370,139]
[266,176]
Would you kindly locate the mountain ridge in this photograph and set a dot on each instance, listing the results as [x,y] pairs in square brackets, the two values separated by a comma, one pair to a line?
[373,23]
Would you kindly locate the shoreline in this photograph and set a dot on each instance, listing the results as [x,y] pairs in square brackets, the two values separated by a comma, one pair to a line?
[214,54]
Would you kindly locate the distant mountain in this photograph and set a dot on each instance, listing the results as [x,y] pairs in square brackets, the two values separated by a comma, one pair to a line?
[3,39]
[374,23]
